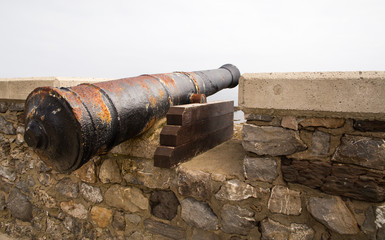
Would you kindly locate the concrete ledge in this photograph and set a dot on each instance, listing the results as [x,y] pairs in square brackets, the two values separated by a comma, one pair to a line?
[323,94]
[19,88]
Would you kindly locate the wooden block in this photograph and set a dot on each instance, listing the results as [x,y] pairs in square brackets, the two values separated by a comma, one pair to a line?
[167,157]
[183,115]
[173,135]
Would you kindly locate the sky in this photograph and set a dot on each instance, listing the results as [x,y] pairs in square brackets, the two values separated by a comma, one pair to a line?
[116,39]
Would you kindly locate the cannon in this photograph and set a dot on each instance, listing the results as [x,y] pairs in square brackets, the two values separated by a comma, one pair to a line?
[67,126]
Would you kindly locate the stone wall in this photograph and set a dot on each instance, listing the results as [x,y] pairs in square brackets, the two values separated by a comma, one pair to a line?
[332,172]
[286,174]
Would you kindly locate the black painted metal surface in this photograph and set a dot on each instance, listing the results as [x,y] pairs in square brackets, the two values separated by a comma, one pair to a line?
[67,126]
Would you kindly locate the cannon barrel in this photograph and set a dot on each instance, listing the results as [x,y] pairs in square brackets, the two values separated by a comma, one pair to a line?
[67,126]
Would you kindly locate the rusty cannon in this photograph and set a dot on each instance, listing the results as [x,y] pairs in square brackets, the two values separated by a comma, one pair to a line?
[67,126]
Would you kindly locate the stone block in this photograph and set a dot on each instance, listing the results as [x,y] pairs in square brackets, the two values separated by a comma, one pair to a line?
[364,151]
[109,172]
[118,221]
[258,117]
[67,188]
[237,220]
[236,190]
[260,169]
[126,198]
[3,105]
[132,218]
[164,229]
[272,230]
[199,234]
[193,183]
[285,201]
[333,213]
[76,210]
[274,141]
[101,216]
[198,214]
[323,122]
[289,122]
[91,193]
[87,172]
[6,127]
[369,126]
[320,143]
[19,205]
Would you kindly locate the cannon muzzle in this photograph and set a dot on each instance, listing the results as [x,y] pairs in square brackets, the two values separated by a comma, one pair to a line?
[67,126]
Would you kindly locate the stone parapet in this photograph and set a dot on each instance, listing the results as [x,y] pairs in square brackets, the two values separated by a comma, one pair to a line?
[19,88]
[358,95]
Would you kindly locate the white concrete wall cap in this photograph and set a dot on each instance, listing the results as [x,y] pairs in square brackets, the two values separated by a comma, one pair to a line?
[19,88]
[324,94]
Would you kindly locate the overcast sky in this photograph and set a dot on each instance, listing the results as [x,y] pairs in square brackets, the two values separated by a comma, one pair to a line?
[115,39]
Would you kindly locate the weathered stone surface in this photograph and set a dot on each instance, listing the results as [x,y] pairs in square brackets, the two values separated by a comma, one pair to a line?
[55,229]
[196,184]
[76,210]
[235,190]
[323,122]
[337,179]
[312,174]
[333,213]
[6,127]
[164,204]
[272,230]
[25,184]
[369,126]
[289,122]
[199,214]
[19,205]
[47,200]
[3,107]
[109,172]
[5,186]
[16,107]
[8,173]
[87,172]
[355,182]
[301,232]
[368,226]
[3,203]
[285,201]
[127,198]
[67,188]
[166,230]
[380,216]
[274,141]
[260,169]
[320,143]
[133,218]
[364,151]
[46,179]
[118,221]
[237,220]
[199,234]
[153,177]
[258,117]
[90,193]
[101,216]
[72,225]
[19,139]
[140,236]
